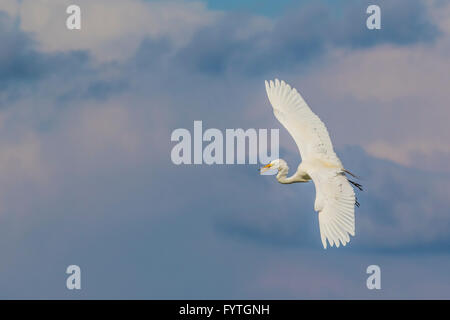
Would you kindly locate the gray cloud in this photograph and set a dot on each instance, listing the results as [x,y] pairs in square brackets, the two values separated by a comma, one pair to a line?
[302,35]
[21,63]
[87,177]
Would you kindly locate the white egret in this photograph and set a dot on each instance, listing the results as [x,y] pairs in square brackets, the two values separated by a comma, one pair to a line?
[335,198]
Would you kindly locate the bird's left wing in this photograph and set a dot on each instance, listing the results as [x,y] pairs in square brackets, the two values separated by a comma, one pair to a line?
[335,203]
[308,131]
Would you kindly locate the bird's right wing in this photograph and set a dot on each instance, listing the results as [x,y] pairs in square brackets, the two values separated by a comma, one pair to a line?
[335,203]
[308,131]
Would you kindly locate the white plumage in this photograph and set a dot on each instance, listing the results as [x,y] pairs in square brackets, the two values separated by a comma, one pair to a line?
[335,197]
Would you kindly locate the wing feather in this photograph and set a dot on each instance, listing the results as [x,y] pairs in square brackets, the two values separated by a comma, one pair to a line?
[308,131]
[335,203]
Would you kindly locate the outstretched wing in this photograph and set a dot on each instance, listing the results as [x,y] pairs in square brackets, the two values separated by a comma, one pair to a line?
[308,131]
[335,203]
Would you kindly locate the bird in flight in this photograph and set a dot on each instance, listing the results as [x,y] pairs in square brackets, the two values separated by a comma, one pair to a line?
[335,198]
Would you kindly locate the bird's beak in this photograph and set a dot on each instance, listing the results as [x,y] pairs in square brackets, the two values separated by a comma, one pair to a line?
[265,168]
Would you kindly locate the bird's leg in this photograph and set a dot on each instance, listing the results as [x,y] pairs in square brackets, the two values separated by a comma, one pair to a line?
[353,175]
[356,184]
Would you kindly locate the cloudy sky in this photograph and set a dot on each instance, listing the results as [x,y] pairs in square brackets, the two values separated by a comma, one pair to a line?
[86,176]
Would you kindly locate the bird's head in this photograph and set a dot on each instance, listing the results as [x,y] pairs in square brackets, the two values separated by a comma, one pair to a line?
[276,164]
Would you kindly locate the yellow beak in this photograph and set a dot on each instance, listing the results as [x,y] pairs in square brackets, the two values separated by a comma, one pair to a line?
[265,168]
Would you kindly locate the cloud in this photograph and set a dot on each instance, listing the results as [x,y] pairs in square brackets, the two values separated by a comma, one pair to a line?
[403,89]
[302,35]
[333,276]
[85,151]
[117,33]
[21,65]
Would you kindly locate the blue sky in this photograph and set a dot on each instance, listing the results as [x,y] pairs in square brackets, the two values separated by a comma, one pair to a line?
[86,176]
[267,8]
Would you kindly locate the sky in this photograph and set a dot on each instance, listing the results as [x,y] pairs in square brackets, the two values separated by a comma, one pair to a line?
[86,176]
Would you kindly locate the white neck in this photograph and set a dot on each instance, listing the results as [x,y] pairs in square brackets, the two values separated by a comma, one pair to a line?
[296,177]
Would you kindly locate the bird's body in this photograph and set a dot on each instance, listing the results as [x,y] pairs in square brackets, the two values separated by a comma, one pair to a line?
[335,197]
